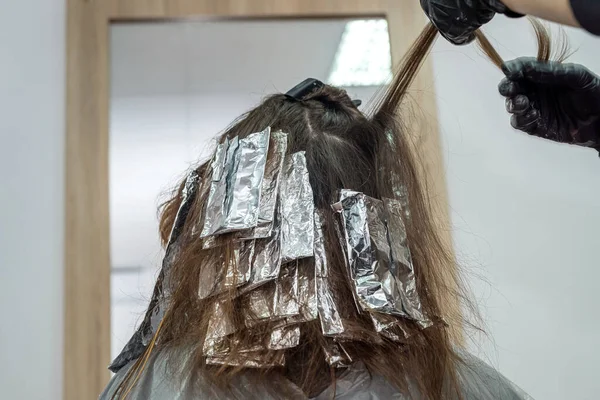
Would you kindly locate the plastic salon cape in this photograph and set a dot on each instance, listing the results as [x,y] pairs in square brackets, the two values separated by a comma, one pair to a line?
[479,381]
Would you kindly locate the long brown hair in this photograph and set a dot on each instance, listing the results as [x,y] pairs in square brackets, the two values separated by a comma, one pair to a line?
[344,149]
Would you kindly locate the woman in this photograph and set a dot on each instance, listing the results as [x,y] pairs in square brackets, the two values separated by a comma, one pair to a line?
[303,261]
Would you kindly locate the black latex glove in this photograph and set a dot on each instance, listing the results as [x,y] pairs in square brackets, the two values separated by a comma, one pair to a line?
[559,102]
[457,20]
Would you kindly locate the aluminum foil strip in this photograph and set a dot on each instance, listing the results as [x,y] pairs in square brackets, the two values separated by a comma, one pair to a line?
[281,302]
[220,326]
[234,198]
[211,274]
[217,275]
[221,167]
[368,253]
[284,338]
[391,327]
[297,208]
[378,255]
[243,207]
[212,241]
[267,269]
[329,316]
[403,270]
[204,188]
[237,271]
[260,304]
[340,234]
[239,274]
[335,354]
[349,333]
[307,293]
[220,164]
[280,339]
[287,302]
[251,360]
[270,187]
[268,196]
[367,248]
[276,300]
[266,263]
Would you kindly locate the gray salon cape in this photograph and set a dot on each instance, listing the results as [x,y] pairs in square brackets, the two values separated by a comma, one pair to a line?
[479,381]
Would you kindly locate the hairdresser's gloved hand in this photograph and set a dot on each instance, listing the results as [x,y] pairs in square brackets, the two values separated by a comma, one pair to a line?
[560,102]
[457,20]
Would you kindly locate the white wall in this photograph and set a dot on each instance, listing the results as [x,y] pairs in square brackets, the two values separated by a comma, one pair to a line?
[32,70]
[527,217]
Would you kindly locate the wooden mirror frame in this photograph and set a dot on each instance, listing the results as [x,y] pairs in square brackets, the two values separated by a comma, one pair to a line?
[87,249]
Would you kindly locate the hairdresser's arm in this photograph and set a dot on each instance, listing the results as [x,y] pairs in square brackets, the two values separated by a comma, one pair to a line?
[553,10]
[457,20]
[559,102]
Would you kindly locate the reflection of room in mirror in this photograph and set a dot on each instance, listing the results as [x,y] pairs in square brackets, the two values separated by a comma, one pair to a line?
[174,86]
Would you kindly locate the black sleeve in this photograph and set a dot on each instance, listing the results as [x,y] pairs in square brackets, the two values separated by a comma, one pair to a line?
[587,13]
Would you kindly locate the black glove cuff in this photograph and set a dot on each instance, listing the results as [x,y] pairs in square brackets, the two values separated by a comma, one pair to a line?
[499,7]
[512,14]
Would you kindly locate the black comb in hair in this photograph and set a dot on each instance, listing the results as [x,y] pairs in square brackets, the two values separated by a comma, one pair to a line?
[304,88]
[308,86]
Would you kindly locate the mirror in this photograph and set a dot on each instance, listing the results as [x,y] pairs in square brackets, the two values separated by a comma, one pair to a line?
[175,85]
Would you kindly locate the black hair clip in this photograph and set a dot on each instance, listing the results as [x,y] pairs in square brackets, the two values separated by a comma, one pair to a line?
[308,86]
[304,88]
